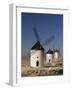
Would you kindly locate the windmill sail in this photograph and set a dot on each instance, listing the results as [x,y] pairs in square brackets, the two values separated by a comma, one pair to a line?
[36,34]
[49,40]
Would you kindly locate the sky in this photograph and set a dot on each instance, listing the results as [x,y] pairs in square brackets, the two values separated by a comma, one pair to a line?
[46,26]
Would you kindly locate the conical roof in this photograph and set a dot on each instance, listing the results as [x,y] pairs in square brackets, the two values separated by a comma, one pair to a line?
[56,50]
[50,51]
[37,46]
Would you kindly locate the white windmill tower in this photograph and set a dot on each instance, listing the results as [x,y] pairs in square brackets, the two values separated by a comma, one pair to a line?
[49,56]
[37,53]
[56,54]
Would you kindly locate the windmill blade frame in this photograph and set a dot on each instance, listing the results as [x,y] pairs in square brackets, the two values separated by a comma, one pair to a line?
[49,40]
[36,34]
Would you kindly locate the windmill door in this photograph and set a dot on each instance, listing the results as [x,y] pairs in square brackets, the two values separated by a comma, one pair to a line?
[37,63]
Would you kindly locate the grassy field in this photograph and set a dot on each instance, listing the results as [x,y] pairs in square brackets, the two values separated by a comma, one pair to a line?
[56,68]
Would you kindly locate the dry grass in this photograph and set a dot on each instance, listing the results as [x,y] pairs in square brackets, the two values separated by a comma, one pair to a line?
[28,71]
[56,68]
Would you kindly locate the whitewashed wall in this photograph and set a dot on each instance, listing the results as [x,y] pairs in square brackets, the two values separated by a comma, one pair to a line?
[49,58]
[36,55]
[56,56]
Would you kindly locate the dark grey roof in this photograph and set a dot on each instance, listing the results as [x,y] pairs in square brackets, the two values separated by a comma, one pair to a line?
[37,46]
[50,51]
[56,50]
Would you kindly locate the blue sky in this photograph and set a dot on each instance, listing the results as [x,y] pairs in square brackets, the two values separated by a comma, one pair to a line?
[46,25]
